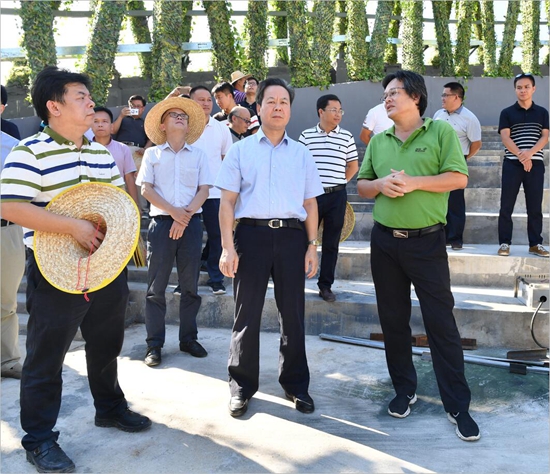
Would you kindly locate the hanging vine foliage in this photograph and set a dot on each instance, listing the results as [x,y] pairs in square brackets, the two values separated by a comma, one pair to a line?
[442,12]
[222,35]
[341,28]
[300,60]
[508,37]
[256,39]
[140,30]
[357,53]
[489,39]
[463,36]
[324,14]
[280,30]
[167,49]
[390,55]
[412,46]
[530,44]
[375,63]
[37,21]
[100,53]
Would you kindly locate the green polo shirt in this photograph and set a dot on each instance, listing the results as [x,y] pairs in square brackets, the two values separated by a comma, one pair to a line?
[431,150]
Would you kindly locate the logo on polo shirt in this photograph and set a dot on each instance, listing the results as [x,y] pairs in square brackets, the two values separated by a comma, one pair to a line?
[421,150]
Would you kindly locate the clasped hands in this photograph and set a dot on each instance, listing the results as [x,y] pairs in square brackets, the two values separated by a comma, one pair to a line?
[396,184]
[181,216]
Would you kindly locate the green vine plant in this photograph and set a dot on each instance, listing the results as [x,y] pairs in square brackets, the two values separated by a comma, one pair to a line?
[300,60]
[412,46]
[530,44]
[463,36]
[142,35]
[341,28]
[390,55]
[505,67]
[279,27]
[489,39]
[256,39]
[375,62]
[324,14]
[357,50]
[441,12]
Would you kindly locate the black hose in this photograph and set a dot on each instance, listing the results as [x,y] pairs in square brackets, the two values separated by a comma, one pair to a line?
[541,302]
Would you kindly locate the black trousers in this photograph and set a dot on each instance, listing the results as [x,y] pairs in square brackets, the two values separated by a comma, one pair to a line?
[422,261]
[513,176]
[456,217]
[279,253]
[54,318]
[332,209]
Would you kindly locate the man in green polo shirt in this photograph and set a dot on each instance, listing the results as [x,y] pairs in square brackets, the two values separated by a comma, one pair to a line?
[410,169]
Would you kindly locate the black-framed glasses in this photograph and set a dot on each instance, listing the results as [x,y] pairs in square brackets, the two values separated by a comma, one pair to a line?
[248,122]
[175,115]
[444,95]
[335,111]
[391,94]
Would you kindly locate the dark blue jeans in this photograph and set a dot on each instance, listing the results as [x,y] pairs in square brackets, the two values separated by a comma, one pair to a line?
[161,251]
[213,248]
[513,176]
[54,318]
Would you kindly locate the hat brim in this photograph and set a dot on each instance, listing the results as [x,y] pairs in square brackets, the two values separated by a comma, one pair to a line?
[244,76]
[195,124]
[347,229]
[67,265]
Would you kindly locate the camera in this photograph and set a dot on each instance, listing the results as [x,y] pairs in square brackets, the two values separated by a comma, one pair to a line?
[134,111]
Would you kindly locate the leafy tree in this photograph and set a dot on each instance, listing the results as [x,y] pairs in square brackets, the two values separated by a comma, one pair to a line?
[142,35]
[442,12]
[300,60]
[375,63]
[341,27]
[413,47]
[222,35]
[280,30]
[464,32]
[323,23]
[357,51]
[390,55]
[37,21]
[489,39]
[255,28]
[530,44]
[508,38]
[101,51]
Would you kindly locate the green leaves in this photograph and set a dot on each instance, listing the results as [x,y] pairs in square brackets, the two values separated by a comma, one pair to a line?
[530,44]
[412,46]
[256,39]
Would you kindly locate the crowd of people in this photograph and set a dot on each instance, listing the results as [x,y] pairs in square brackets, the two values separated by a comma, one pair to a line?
[261,197]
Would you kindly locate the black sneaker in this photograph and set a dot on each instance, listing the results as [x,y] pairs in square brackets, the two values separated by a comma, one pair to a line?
[466,427]
[128,420]
[177,290]
[400,405]
[49,457]
[218,288]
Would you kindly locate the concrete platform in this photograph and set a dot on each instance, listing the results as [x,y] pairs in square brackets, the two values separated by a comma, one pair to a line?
[350,430]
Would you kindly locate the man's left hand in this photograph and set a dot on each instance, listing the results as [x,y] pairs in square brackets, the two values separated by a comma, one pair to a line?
[312,261]
[177,230]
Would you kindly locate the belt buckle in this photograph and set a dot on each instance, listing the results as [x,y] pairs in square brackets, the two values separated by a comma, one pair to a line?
[275,223]
[400,234]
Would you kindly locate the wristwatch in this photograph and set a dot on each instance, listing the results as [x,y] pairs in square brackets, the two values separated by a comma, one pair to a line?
[312,242]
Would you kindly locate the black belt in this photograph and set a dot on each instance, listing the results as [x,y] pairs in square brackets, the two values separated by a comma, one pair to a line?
[273,223]
[6,223]
[334,188]
[408,233]
[132,144]
[163,217]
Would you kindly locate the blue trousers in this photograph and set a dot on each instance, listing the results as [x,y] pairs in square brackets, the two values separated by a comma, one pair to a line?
[161,251]
[513,176]
[213,248]
[54,318]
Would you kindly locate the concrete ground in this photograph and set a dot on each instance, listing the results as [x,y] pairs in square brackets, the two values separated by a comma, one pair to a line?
[350,430]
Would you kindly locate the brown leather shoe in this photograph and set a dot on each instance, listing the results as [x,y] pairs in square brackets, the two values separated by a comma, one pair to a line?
[327,295]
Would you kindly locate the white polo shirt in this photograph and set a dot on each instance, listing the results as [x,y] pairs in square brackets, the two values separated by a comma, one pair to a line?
[377,119]
[465,123]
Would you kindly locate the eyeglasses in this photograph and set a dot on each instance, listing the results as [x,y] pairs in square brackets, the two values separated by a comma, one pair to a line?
[447,95]
[178,116]
[391,94]
[248,122]
[335,111]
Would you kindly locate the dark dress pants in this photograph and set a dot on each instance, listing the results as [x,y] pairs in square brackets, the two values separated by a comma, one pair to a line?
[332,209]
[422,261]
[54,318]
[161,251]
[513,176]
[456,217]
[279,253]
[213,248]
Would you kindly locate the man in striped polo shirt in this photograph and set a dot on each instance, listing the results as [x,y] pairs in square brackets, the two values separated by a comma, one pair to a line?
[37,170]
[335,154]
[523,129]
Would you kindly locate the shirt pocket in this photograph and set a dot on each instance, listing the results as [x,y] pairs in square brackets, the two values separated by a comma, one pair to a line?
[190,178]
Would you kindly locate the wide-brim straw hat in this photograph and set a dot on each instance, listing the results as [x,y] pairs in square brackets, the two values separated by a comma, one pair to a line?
[196,122]
[67,265]
[349,224]
[237,75]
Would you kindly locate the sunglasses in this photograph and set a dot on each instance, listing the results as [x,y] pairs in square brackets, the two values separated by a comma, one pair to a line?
[524,74]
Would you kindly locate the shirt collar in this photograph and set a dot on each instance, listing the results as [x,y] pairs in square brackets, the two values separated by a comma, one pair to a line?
[261,135]
[519,107]
[165,146]
[457,111]
[320,130]
[62,140]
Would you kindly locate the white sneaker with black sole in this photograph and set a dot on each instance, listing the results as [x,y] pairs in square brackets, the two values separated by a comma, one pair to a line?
[399,407]
[218,288]
[466,427]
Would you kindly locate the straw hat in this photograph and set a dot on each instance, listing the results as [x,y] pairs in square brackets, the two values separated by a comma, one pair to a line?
[64,262]
[235,76]
[196,121]
[349,224]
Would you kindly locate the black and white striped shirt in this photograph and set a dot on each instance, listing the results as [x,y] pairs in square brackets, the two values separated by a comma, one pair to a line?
[526,126]
[332,152]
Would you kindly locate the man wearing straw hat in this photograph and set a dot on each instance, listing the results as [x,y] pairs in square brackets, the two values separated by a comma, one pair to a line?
[174,178]
[335,154]
[36,171]
[238,80]
[269,183]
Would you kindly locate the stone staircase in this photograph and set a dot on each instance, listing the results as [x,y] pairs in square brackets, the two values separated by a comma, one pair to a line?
[482,282]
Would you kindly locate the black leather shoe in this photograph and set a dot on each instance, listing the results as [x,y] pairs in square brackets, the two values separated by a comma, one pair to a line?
[128,420]
[303,403]
[327,295]
[193,348]
[153,356]
[49,457]
[238,406]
